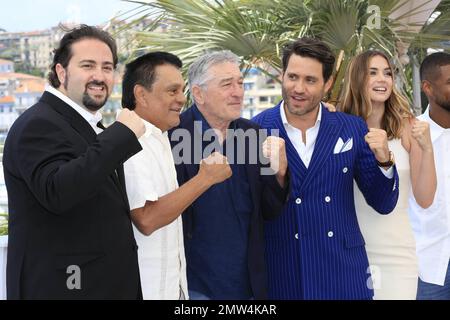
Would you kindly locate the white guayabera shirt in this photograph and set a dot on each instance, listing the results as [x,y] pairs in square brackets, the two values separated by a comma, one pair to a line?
[149,175]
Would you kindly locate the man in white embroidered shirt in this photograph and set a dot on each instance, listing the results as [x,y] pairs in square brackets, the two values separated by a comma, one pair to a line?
[431,226]
[153,87]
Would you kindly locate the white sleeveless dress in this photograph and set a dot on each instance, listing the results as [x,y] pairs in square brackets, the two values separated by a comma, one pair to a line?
[390,243]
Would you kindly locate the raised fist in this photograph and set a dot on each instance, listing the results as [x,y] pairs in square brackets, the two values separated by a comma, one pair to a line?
[378,143]
[215,168]
[132,121]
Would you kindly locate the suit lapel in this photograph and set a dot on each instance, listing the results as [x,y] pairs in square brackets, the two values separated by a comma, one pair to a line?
[295,162]
[323,149]
[78,123]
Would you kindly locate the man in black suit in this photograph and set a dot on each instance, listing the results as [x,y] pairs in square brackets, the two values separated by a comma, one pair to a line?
[70,234]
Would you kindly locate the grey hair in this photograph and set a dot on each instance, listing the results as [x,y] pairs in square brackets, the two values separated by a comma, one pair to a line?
[198,71]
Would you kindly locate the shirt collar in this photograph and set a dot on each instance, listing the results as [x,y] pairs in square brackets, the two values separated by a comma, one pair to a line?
[199,117]
[151,129]
[93,119]
[435,129]
[284,118]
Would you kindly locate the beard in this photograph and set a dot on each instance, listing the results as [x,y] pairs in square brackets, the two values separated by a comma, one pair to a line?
[443,103]
[298,111]
[89,102]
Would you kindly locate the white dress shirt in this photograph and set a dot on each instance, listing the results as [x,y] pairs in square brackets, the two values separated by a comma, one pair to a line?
[91,118]
[149,175]
[431,226]
[305,151]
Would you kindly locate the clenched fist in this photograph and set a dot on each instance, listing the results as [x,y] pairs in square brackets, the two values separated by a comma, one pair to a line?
[215,168]
[274,149]
[420,131]
[378,143]
[132,121]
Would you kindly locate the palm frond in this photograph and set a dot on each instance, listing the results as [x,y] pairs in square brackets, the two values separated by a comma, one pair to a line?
[256,30]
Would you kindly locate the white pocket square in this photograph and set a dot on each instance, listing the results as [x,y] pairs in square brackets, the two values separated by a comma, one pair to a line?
[341,147]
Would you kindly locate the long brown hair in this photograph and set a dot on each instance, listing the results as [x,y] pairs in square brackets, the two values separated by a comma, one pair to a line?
[356,100]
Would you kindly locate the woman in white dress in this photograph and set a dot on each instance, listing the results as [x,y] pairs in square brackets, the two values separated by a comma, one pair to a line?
[370,93]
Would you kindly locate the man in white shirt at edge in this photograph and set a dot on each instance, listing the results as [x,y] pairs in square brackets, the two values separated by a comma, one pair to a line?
[153,87]
[431,226]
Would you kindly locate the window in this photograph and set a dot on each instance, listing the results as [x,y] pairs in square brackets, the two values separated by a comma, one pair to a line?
[248,86]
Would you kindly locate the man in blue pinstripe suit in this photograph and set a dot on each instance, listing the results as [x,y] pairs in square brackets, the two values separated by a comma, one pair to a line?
[314,249]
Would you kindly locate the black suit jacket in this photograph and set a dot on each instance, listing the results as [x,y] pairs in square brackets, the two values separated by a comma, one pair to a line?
[267,196]
[68,207]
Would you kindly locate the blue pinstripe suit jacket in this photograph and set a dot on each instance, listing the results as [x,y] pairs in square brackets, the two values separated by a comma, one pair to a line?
[315,249]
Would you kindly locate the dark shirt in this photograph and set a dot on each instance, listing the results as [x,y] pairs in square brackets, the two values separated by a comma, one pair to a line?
[216,254]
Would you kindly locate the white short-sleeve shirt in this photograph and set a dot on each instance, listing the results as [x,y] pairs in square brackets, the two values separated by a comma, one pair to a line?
[151,174]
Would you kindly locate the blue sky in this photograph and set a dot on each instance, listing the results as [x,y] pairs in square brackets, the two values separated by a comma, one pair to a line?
[28,15]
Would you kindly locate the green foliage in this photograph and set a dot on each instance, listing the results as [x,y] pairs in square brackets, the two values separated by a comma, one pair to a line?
[23,67]
[256,30]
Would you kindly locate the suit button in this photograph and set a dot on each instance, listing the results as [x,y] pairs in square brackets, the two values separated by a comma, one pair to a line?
[327,199]
[296,236]
[298,201]
[330,234]
[189,235]
[345,170]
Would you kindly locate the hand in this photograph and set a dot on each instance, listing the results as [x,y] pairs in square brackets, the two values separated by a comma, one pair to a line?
[378,143]
[420,132]
[132,121]
[215,168]
[329,106]
[274,149]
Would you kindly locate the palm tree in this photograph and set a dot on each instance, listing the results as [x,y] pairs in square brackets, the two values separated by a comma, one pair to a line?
[256,30]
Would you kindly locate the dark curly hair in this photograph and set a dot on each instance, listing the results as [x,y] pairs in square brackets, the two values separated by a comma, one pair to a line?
[311,48]
[63,53]
[142,71]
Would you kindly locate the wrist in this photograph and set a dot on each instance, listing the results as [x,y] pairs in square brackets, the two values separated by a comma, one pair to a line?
[427,150]
[282,172]
[388,163]
[204,179]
